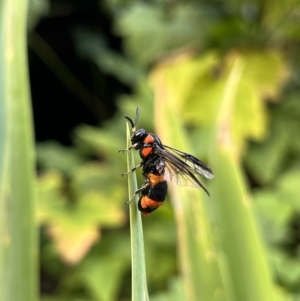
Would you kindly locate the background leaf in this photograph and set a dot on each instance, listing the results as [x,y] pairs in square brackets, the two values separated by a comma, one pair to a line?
[18,248]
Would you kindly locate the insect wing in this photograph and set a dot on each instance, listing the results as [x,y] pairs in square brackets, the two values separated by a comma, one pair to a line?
[178,176]
[195,164]
[178,171]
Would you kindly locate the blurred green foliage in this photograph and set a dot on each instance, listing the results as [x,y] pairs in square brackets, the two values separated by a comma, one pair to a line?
[84,214]
[188,49]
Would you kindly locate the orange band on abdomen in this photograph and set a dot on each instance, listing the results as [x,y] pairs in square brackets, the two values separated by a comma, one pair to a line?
[149,203]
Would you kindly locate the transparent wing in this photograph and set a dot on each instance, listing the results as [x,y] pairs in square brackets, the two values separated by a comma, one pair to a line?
[182,172]
[179,176]
[194,163]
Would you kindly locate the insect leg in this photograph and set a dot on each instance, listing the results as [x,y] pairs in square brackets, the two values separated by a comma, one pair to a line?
[138,191]
[132,170]
[128,149]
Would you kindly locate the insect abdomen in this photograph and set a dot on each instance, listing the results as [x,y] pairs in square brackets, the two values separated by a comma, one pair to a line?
[153,197]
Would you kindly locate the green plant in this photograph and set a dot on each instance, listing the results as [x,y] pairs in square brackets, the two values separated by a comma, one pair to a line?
[219,73]
[18,248]
[138,268]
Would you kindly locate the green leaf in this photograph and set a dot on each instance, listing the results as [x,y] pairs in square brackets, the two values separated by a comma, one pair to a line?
[167,30]
[175,292]
[264,160]
[288,188]
[95,48]
[196,84]
[139,282]
[202,266]
[241,241]
[18,247]
[74,226]
[52,155]
[274,215]
[95,177]
[103,275]
[286,268]
[237,246]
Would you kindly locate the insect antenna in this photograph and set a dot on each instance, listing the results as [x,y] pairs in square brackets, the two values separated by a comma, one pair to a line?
[137,114]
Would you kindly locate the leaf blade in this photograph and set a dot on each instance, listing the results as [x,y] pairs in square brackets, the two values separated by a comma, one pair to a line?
[18,267]
[139,282]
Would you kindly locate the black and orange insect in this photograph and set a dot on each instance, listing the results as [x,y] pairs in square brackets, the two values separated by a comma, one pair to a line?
[162,163]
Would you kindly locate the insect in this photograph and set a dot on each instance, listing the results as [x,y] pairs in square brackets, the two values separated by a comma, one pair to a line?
[161,163]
